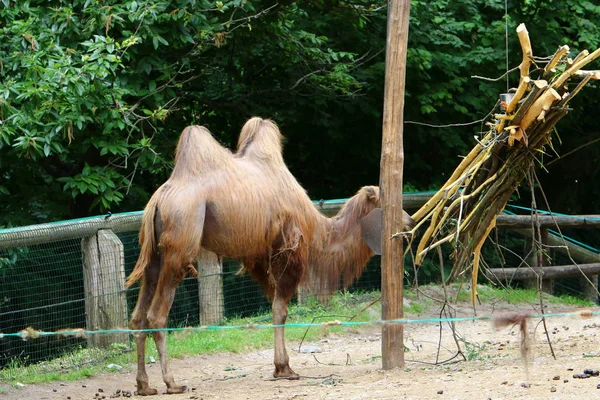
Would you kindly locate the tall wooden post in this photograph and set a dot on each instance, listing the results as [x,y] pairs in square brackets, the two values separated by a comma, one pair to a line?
[392,159]
[104,283]
[210,288]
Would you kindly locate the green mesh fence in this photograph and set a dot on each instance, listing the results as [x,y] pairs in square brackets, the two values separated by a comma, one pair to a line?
[78,282]
[40,286]
[64,285]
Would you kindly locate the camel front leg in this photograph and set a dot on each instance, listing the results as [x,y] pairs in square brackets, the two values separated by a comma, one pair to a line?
[161,345]
[282,360]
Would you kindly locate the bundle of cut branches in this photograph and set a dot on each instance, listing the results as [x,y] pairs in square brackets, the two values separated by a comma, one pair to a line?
[464,210]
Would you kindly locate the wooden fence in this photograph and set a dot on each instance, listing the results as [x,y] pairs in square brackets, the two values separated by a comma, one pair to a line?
[104,267]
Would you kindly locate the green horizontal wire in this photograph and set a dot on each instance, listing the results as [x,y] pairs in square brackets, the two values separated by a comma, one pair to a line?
[33,334]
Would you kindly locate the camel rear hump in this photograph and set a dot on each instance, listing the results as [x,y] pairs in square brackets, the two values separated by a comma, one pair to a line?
[260,139]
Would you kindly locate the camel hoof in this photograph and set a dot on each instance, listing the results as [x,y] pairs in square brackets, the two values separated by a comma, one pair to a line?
[176,389]
[285,372]
[147,391]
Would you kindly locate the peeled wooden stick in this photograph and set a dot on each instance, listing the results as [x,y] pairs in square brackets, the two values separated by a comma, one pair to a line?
[577,65]
[580,56]
[538,86]
[431,203]
[562,50]
[447,213]
[541,105]
[476,258]
[427,235]
[523,86]
[451,187]
[580,86]
[595,75]
[526,47]
[524,70]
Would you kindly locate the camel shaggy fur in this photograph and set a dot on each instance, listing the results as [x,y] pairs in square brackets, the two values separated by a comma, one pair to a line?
[246,206]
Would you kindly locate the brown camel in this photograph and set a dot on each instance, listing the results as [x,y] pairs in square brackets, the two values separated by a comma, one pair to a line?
[246,206]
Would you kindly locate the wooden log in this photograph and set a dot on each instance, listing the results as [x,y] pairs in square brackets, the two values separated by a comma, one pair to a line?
[210,288]
[549,221]
[578,253]
[557,271]
[392,160]
[579,62]
[104,286]
[70,229]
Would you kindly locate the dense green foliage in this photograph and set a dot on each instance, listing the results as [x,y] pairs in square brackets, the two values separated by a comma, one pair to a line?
[94,93]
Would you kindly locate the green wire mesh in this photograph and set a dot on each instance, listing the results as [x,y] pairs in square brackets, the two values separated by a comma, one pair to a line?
[42,285]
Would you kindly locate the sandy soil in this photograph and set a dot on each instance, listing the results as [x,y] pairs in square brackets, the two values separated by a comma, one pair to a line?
[348,366]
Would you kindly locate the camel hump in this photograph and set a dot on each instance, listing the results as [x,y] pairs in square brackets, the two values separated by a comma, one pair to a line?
[260,139]
[198,152]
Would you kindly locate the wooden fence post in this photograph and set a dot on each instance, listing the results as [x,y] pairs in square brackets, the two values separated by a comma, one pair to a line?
[210,288]
[104,284]
[589,292]
[390,183]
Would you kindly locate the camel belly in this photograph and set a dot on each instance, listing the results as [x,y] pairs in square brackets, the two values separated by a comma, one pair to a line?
[236,232]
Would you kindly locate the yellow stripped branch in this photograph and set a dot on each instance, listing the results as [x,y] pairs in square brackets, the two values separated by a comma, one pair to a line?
[577,65]
[476,259]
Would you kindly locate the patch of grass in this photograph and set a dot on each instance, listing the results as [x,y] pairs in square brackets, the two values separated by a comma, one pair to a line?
[516,296]
[473,350]
[511,296]
[571,301]
[341,307]
[75,365]
[418,306]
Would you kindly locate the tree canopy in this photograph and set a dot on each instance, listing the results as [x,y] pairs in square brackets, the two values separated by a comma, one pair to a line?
[94,93]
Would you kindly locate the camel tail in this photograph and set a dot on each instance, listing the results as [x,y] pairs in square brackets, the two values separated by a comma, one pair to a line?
[147,244]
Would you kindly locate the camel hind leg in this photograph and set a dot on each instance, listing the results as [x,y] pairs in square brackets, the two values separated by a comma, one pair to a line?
[179,248]
[139,320]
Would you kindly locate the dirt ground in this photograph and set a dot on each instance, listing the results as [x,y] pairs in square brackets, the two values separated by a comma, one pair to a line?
[348,366]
